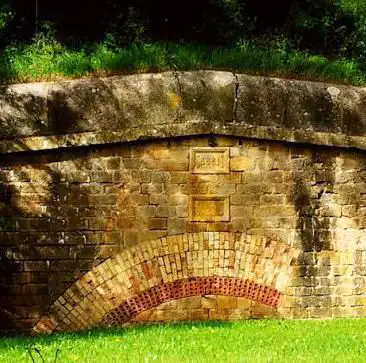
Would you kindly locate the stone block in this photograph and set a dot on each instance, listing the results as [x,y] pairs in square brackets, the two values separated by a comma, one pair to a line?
[126,223]
[165,211]
[209,208]
[178,177]
[107,251]
[149,188]
[171,315]
[159,176]
[180,163]
[276,210]
[52,252]
[243,303]
[241,211]
[157,223]
[218,227]
[171,305]
[342,312]
[276,199]
[227,302]
[190,303]
[226,141]
[196,227]
[197,315]
[208,96]
[182,211]
[145,316]
[218,314]
[131,238]
[241,163]
[140,199]
[319,312]
[36,266]
[113,163]
[178,199]
[259,310]
[83,252]
[238,314]
[330,210]
[244,199]
[176,225]
[209,302]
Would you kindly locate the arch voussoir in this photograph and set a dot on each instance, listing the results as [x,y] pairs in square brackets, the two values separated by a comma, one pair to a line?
[173,267]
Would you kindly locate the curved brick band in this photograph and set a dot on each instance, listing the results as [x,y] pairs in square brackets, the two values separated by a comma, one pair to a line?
[195,286]
[173,267]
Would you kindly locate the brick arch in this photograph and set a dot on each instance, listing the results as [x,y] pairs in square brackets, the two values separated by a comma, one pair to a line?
[157,271]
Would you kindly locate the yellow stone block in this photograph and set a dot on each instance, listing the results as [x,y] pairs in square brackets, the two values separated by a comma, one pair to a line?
[209,302]
[238,314]
[241,163]
[227,302]
[243,303]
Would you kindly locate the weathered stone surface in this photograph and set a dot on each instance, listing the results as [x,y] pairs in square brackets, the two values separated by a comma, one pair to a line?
[23,110]
[128,108]
[301,105]
[195,227]
[207,96]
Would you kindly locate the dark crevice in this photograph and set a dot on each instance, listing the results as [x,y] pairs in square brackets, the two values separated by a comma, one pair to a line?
[236,96]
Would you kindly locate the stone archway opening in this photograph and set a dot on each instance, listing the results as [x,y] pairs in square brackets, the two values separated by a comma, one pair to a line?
[128,286]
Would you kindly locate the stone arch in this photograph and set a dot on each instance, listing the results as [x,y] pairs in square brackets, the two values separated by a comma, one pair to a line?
[168,268]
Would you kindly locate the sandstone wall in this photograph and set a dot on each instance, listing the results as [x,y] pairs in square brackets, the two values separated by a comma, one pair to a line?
[64,213]
[207,220]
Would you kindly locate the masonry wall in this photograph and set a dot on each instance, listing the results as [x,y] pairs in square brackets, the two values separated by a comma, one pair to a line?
[297,213]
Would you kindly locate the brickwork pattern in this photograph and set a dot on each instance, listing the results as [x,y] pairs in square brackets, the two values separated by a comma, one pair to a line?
[200,286]
[62,213]
[169,268]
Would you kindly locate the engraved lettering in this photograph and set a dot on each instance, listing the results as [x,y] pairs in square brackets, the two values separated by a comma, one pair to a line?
[210,160]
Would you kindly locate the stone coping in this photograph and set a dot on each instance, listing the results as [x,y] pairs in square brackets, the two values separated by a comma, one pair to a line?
[52,115]
[37,143]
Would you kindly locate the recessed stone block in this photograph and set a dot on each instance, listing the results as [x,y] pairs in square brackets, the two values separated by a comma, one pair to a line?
[209,208]
[208,160]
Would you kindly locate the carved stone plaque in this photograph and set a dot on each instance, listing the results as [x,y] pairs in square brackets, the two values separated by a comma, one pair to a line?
[209,160]
[209,208]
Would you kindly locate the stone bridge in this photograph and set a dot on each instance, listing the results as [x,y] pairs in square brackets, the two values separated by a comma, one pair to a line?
[180,196]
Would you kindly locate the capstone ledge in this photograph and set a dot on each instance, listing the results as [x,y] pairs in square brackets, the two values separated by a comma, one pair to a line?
[52,115]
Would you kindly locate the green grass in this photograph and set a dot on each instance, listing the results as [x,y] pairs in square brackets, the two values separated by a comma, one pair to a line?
[248,341]
[49,60]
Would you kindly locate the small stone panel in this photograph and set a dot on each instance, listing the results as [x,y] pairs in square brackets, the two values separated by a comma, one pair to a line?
[208,160]
[209,208]
[194,286]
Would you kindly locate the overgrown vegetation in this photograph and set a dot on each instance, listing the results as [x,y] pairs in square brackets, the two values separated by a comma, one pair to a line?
[248,341]
[322,39]
[49,60]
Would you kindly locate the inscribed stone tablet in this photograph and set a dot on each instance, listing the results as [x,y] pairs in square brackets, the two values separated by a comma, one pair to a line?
[209,160]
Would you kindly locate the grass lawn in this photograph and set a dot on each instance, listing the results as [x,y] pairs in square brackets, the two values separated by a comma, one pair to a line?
[50,60]
[247,341]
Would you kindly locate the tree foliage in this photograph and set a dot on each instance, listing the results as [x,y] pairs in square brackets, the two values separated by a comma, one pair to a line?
[329,27]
